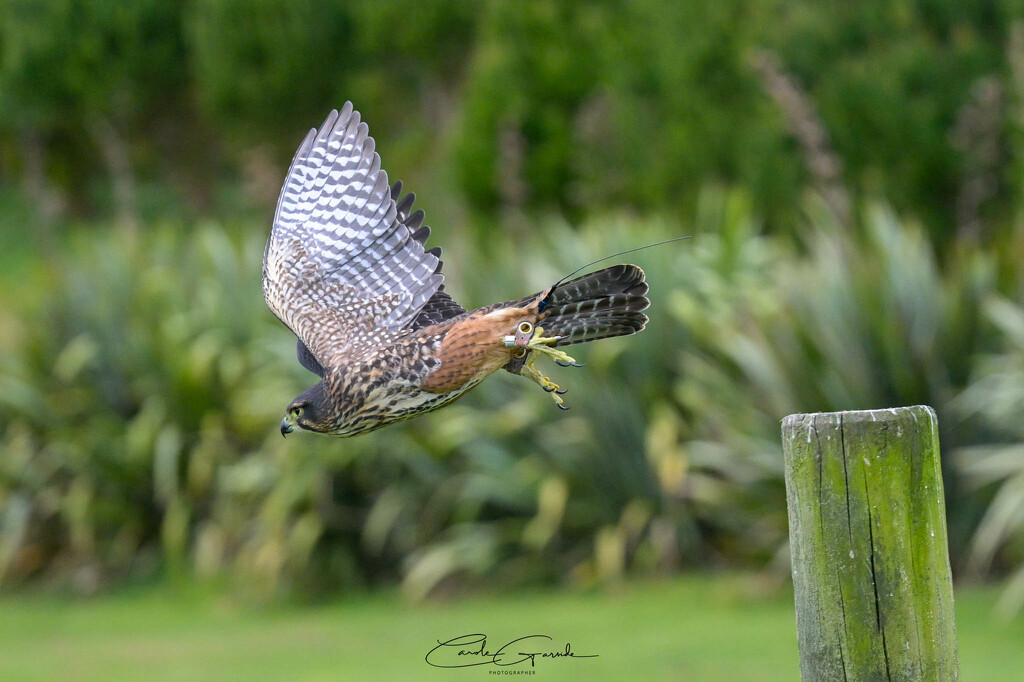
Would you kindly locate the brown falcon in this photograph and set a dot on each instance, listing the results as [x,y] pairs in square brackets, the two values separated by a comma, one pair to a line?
[346,270]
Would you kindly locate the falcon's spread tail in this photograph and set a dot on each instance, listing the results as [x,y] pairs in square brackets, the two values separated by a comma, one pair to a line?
[599,305]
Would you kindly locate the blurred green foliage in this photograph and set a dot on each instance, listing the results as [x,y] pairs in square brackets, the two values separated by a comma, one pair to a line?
[65,62]
[142,397]
[852,174]
[573,105]
[995,471]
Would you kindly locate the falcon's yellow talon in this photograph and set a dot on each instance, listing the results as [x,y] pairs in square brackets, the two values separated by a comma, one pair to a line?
[552,389]
[542,344]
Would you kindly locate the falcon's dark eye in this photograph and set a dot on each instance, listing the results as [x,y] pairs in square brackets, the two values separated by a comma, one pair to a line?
[296,411]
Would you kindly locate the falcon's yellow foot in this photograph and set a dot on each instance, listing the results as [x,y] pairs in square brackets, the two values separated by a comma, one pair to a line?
[546,383]
[542,344]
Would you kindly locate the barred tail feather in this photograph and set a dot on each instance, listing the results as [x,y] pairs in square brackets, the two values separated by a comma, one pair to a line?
[596,306]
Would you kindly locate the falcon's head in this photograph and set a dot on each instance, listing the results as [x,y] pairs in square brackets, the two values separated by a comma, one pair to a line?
[311,411]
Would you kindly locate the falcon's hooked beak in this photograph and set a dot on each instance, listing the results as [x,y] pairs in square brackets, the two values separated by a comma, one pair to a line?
[286,426]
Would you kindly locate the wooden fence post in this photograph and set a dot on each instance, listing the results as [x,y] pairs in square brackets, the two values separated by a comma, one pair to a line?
[867,529]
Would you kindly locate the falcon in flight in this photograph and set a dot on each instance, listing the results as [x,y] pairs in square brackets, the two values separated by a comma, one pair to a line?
[346,270]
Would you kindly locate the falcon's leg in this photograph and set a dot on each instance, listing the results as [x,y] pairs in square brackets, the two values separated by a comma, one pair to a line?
[542,344]
[551,387]
[527,342]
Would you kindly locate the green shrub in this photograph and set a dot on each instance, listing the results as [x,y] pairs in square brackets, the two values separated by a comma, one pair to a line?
[857,322]
[142,391]
[995,471]
[141,400]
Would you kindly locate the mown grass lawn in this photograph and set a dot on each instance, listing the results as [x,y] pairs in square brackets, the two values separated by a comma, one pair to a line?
[690,628]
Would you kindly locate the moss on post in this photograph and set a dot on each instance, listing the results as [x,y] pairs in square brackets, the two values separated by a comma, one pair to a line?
[867,528]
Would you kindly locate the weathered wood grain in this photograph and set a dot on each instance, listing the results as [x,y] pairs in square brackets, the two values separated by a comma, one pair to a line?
[874,597]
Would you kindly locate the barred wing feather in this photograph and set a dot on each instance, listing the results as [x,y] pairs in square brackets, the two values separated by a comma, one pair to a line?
[345,265]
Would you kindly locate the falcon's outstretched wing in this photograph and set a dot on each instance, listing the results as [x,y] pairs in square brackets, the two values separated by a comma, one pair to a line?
[345,264]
